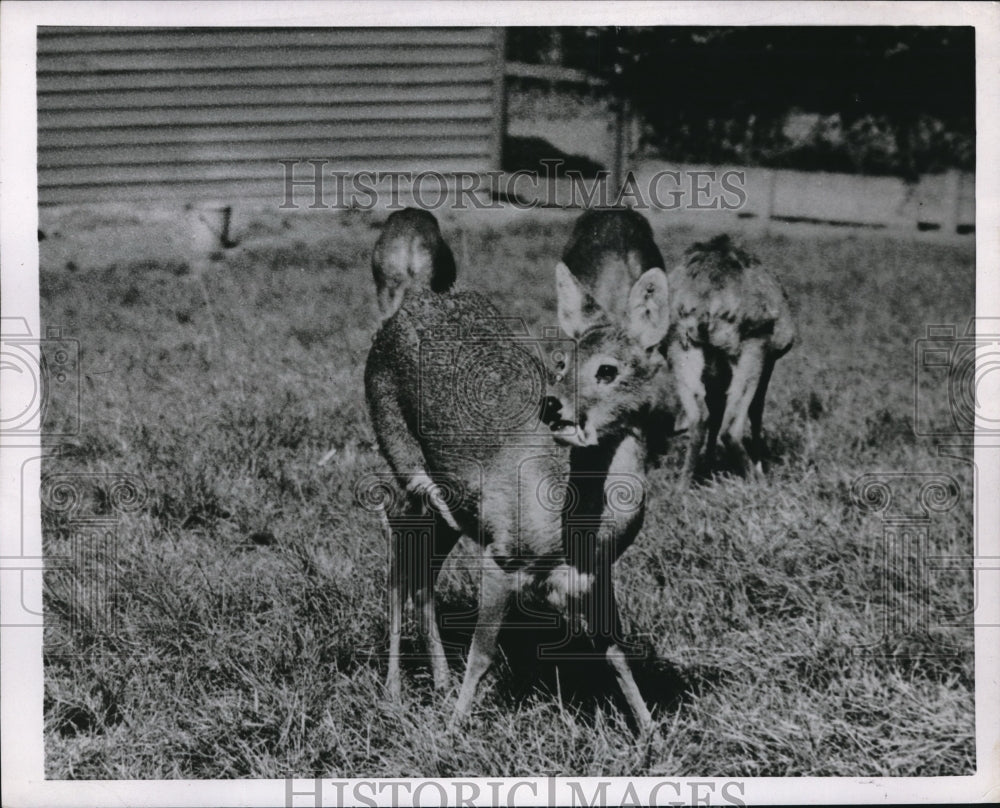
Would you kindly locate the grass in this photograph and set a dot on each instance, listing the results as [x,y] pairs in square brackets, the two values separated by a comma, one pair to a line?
[249,588]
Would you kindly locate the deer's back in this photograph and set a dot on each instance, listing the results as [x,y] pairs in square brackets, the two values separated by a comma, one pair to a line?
[721,295]
[446,374]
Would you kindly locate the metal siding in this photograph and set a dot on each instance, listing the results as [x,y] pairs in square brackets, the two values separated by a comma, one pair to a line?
[262,76]
[90,40]
[186,113]
[342,131]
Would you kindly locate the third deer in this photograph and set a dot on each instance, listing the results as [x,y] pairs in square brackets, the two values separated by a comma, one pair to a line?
[731,323]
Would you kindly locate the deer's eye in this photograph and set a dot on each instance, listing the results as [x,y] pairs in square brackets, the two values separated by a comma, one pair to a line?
[607,374]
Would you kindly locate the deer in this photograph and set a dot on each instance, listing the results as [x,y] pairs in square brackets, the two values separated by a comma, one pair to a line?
[730,323]
[410,253]
[580,433]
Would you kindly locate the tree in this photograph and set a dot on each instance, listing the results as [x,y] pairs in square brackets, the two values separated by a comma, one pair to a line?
[716,94]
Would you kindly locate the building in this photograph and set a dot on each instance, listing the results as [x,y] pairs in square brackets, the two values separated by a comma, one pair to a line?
[187,114]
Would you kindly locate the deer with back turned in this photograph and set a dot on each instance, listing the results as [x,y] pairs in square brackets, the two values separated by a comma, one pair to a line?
[410,253]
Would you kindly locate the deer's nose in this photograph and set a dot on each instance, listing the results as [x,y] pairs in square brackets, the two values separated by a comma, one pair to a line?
[551,407]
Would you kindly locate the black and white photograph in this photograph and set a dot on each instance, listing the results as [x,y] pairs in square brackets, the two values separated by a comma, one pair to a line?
[502,403]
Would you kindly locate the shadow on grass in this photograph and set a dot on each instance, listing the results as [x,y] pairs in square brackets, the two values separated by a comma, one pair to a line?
[725,462]
[546,661]
[666,450]
[538,657]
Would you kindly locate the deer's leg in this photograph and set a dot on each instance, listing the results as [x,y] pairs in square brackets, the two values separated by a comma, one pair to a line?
[426,499]
[604,626]
[496,588]
[742,388]
[716,405]
[757,414]
[623,673]
[438,543]
[418,539]
[688,365]
[397,597]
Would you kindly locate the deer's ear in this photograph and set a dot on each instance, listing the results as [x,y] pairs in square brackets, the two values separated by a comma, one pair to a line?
[578,311]
[648,314]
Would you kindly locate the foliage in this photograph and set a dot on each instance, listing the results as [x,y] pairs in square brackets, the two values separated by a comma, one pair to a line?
[902,98]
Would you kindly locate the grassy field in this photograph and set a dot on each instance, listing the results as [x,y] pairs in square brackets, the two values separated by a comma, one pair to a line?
[249,588]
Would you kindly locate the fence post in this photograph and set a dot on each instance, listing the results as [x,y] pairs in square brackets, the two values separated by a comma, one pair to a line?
[771,195]
[952,200]
[618,158]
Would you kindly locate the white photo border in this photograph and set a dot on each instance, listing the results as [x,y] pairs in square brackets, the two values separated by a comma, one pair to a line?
[21,678]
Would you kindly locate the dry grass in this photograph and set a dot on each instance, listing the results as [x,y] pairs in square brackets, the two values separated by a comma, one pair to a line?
[250,587]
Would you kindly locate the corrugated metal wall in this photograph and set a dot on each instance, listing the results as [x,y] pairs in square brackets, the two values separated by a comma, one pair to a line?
[194,113]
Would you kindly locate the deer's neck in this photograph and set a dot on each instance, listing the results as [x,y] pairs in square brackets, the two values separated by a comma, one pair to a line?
[588,472]
[592,469]
[606,503]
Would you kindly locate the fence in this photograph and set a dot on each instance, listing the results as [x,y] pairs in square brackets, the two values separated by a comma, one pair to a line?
[944,202]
